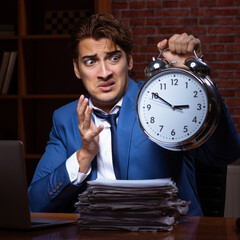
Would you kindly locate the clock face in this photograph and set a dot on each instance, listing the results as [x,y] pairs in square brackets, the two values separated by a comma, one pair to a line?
[172,106]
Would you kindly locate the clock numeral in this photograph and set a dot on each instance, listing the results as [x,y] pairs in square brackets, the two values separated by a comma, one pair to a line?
[161,128]
[186,84]
[149,107]
[194,119]
[199,106]
[163,86]
[185,129]
[154,95]
[173,132]
[152,120]
[195,94]
[174,82]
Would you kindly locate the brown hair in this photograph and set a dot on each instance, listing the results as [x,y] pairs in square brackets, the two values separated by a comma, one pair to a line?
[102,26]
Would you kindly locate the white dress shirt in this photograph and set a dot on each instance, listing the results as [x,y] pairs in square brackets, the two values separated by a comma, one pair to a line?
[104,157]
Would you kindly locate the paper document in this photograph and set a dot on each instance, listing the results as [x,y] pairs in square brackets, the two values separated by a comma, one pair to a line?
[134,205]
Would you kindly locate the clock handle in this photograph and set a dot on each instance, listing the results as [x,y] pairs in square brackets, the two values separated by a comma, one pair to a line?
[157,65]
[197,65]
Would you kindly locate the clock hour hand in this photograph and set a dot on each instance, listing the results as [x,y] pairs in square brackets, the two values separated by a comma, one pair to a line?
[180,106]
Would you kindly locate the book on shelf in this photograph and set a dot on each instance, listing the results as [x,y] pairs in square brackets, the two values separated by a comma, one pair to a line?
[7,29]
[3,68]
[6,33]
[9,72]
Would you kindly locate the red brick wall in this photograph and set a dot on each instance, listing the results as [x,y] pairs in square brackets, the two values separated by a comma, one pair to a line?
[215,22]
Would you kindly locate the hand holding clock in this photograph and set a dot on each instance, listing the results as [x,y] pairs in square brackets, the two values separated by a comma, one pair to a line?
[180,48]
[174,83]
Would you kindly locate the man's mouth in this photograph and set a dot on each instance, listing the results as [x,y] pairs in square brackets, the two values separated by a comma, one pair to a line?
[106,86]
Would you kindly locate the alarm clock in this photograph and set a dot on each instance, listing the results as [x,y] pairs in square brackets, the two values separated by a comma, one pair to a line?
[178,108]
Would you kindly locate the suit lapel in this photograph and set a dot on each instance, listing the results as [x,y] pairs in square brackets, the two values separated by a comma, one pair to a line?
[127,118]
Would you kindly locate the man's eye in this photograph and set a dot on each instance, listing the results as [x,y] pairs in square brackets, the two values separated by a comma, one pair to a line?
[115,58]
[89,62]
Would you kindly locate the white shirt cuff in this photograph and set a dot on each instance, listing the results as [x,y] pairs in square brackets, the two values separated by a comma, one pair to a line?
[72,166]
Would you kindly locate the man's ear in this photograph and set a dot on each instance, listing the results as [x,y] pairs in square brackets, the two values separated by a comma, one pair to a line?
[75,68]
[130,62]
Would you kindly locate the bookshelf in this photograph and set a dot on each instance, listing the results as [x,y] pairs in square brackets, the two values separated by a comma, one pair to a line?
[43,78]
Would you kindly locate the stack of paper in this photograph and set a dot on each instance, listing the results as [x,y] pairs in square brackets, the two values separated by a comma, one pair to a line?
[135,205]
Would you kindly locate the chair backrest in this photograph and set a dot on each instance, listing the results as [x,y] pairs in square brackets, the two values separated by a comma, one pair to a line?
[211,185]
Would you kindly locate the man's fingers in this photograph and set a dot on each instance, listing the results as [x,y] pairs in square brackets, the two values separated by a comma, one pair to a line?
[81,108]
[195,44]
[86,126]
[184,44]
[96,130]
[172,42]
[84,113]
[162,45]
[91,133]
[88,118]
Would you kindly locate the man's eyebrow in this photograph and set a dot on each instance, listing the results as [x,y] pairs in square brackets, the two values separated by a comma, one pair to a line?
[108,53]
[89,56]
[113,52]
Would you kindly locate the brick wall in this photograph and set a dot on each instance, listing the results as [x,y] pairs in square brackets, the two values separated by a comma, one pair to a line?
[215,22]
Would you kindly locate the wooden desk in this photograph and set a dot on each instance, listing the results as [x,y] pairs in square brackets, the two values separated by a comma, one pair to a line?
[191,228]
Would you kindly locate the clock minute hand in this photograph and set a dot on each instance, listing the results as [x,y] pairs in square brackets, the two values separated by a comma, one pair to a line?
[156,95]
[179,107]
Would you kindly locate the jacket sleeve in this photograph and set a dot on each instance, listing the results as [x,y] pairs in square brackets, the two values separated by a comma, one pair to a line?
[223,147]
[51,189]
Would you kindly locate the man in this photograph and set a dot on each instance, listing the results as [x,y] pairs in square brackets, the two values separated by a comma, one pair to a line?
[79,148]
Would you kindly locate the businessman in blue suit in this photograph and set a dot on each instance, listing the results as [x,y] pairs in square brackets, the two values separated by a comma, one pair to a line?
[79,148]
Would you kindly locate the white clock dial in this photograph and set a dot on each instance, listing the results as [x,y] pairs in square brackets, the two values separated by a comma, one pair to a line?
[172,106]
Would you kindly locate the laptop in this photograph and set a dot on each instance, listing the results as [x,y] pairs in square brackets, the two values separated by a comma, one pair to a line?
[14,204]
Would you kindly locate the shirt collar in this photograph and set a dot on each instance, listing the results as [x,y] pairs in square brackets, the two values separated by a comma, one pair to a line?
[115,109]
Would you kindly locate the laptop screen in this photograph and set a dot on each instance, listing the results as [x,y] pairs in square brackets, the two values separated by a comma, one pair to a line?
[14,205]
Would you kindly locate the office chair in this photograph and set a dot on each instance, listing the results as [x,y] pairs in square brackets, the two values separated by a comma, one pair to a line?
[211,186]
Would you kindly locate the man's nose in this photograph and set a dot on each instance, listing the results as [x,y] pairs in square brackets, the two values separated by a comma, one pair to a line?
[104,70]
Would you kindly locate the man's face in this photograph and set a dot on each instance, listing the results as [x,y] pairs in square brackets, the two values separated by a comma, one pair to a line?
[103,68]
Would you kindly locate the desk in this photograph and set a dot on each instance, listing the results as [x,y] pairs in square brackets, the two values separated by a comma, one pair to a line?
[191,228]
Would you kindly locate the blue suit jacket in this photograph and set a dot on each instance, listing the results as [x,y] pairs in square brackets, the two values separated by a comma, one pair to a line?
[140,158]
